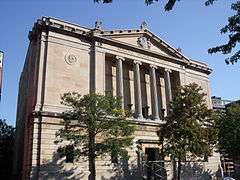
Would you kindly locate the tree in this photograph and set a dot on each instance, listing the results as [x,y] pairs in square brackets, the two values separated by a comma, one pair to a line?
[7,137]
[95,125]
[229,132]
[232,28]
[189,132]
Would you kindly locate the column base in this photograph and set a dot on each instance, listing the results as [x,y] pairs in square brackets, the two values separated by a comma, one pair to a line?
[159,121]
[140,117]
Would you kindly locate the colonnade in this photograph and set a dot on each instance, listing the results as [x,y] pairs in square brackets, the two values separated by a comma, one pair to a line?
[137,86]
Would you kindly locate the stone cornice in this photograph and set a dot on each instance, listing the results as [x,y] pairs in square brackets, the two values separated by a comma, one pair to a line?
[146,122]
[151,35]
[196,66]
[92,35]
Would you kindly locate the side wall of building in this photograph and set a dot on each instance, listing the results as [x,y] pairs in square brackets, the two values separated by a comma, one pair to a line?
[25,107]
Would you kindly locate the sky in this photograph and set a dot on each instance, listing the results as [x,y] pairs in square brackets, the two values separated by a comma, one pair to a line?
[190,25]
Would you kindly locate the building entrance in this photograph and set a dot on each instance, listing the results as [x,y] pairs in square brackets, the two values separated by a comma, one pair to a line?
[153,166]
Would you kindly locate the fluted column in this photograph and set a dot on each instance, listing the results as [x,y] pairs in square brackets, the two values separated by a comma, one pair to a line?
[155,111]
[168,86]
[119,79]
[138,93]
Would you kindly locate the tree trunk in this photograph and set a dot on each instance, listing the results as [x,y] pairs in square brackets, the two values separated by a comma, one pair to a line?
[91,157]
[174,168]
[179,169]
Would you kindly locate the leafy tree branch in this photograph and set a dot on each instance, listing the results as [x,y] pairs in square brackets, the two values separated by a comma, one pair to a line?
[95,125]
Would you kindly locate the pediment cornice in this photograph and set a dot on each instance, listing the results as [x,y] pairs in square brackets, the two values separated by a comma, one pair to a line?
[147,33]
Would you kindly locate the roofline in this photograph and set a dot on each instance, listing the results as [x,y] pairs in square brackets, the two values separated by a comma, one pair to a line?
[140,49]
[232,103]
[168,45]
[74,31]
[63,21]
[200,62]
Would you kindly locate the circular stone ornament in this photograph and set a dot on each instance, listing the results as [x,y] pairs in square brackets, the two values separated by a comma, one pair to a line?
[70,59]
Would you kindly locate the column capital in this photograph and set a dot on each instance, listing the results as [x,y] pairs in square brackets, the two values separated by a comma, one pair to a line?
[120,58]
[137,62]
[167,70]
[153,66]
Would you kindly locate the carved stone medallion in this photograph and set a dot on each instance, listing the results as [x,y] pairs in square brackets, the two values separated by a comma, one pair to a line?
[70,59]
[144,42]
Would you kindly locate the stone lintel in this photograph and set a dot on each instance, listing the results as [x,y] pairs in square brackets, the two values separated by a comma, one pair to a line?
[148,141]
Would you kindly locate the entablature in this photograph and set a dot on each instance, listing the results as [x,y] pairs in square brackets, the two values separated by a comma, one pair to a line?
[103,37]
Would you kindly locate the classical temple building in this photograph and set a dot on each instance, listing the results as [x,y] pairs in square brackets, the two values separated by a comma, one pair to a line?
[134,64]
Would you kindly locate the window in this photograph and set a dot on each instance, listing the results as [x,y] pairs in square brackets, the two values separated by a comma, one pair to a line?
[152,154]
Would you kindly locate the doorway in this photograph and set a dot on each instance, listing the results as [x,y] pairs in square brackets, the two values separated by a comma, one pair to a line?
[152,154]
[154,165]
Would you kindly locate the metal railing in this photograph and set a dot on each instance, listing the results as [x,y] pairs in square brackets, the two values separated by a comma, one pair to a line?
[154,170]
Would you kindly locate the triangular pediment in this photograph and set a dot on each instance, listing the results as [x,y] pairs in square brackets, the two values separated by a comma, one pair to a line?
[145,40]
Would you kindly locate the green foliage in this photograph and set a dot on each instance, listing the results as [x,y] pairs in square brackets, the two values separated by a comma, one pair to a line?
[229,131]
[189,131]
[94,122]
[169,5]
[233,30]
[7,137]
[104,1]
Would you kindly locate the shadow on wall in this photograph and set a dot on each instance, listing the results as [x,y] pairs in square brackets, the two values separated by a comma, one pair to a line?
[194,171]
[122,171]
[58,169]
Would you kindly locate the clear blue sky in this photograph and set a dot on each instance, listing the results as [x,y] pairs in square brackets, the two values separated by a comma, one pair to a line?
[191,26]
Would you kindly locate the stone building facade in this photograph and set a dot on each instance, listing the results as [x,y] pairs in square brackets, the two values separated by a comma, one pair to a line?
[133,64]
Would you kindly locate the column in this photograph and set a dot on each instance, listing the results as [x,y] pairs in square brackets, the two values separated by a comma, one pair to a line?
[168,86]
[155,111]
[137,87]
[119,79]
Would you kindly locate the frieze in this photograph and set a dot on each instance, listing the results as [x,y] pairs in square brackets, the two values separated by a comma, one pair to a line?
[137,54]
